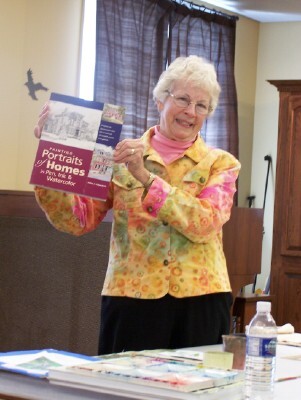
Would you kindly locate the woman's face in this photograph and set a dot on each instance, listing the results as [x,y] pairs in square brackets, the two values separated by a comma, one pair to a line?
[178,123]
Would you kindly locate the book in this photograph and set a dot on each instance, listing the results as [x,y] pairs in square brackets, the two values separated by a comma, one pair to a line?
[76,146]
[37,363]
[128,370]
[14,385]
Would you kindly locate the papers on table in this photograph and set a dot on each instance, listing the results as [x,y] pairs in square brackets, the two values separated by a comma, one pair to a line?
[291,339]
[38,362]
[160,371]
[285,329]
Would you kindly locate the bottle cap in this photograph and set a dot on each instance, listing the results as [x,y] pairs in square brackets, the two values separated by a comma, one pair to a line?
[263,306]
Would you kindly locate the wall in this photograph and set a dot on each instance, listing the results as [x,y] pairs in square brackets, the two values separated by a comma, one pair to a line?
[278,58]
[45,36]
[247,34]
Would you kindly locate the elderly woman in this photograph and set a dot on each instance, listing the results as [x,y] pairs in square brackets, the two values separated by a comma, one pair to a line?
[167,284]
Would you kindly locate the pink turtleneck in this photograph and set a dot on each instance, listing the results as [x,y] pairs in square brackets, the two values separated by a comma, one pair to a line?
[168,149]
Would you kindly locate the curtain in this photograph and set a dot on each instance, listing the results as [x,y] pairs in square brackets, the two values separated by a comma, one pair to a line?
[212,36]
[131,43]
[137,39]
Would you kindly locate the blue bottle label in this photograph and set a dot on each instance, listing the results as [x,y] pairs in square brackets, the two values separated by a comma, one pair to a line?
[261,347]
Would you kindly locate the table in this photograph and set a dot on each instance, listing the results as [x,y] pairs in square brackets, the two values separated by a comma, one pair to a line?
[19,387]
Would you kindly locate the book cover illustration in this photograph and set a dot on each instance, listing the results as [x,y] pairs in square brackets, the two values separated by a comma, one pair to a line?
[75,151]
[148,370]
[38,362]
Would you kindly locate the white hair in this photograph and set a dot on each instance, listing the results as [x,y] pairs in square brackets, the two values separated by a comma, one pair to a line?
[192,69]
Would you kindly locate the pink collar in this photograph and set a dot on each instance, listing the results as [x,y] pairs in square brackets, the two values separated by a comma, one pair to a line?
[169,150]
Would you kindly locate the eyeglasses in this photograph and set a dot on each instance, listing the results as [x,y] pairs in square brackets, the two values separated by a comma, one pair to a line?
[185,101]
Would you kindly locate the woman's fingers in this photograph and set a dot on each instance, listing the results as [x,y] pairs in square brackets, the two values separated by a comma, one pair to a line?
[41,121]
[128,151]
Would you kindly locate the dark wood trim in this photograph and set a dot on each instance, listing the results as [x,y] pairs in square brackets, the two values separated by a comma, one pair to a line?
[8,397]
[287,85]
[15,203]
[18,203]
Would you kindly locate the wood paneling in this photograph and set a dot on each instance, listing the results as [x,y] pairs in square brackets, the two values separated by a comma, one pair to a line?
[243,246]
[51,282]
[19,204]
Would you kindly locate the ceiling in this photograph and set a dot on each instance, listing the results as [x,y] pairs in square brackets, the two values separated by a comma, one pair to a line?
[260,10]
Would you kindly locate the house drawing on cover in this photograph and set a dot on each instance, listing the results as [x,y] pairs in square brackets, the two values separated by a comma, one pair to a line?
[102,163]
[72,125]
[69,124]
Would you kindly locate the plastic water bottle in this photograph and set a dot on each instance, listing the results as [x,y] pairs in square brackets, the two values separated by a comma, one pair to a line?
[260,354]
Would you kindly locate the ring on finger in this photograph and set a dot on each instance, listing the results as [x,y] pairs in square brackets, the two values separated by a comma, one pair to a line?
[132,151]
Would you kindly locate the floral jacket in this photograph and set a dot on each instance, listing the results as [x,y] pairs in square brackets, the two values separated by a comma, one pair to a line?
[164,240]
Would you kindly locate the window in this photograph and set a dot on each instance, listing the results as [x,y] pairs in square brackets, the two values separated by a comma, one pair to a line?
[87,64]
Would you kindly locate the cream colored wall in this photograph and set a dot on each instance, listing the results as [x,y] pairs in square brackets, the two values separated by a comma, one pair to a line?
[247,33]
[45,36]
[279,57]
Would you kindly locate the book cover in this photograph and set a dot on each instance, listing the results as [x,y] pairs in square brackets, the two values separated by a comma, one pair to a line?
[139,368]
[76,146]
[37,363]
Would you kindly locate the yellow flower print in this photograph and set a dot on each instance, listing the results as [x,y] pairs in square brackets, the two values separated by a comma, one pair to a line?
[203,280]
[176,271]
[140,229]
[204,221]
[120,283]
[175,288]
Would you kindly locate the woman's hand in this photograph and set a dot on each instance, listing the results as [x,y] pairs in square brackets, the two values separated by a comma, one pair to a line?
[130,152]
[41,121]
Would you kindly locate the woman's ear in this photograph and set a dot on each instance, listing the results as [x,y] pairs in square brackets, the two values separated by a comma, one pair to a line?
[159,105]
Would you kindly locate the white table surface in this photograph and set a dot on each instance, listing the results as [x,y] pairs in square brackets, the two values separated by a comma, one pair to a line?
[290,389]
[40,389]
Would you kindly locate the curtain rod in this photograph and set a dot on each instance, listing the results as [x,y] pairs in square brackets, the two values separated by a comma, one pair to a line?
[203,8]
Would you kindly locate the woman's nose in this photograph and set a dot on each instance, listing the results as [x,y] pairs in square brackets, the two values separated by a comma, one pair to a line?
[190,109]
